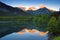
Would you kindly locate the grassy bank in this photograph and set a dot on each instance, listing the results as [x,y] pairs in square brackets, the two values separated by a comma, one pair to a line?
[57,38]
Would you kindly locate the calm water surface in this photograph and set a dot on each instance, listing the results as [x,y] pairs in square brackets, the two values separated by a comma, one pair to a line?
[25,36]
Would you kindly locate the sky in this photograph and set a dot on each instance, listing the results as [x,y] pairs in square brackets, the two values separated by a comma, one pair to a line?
[53,4]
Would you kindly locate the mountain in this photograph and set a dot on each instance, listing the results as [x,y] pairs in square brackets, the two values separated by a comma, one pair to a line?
[32,12]
[39,11]
[11,10]
[22,7]
[43,11]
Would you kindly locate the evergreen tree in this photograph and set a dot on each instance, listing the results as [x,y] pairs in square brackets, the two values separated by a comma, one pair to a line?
[52,24]
[58,27]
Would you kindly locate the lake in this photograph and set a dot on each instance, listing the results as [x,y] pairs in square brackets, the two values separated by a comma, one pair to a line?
[25,35]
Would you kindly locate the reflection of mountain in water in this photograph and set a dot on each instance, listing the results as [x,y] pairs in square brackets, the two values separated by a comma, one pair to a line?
[32,31]
[26,36]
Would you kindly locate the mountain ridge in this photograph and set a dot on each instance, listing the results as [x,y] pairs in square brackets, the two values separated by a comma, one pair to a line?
[13,10]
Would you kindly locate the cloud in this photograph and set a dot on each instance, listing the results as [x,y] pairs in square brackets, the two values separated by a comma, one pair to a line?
[22,7]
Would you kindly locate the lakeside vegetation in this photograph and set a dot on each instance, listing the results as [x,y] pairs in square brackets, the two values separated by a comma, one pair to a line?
[57,38]
[37,21]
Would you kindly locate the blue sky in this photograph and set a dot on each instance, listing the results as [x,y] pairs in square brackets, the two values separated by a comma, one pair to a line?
[54,4]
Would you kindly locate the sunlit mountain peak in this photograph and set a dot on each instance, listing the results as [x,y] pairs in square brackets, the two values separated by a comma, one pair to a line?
[42,6]
[32,8]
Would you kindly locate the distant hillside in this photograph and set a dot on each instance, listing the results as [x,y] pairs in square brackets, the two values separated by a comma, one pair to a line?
[55,14]
[11,10]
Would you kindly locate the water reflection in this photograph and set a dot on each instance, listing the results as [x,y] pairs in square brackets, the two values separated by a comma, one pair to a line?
[26,34]
[32,31]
